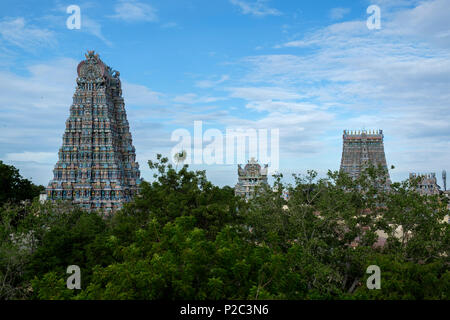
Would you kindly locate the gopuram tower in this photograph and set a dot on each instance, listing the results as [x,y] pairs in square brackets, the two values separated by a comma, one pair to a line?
[97,166]
[249,178]
[362,149]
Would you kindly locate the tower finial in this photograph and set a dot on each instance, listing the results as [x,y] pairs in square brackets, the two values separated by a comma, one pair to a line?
[91,54]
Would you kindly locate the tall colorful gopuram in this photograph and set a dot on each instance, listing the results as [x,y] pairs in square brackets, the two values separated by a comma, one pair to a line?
[97,166]
[361,149]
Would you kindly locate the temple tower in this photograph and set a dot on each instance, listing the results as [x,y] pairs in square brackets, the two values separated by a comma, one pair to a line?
[97,166]
[360,149]
[249,178]
[427,183]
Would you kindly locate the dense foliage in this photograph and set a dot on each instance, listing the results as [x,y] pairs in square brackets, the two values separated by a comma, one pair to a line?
[184,238]
[14,188]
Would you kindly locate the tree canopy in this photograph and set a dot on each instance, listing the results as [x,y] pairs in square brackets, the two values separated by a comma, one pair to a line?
[185,238]
[14,188]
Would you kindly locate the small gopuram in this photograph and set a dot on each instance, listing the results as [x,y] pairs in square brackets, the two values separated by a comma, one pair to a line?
[249,178]
[427,183]
[362,149]
[97,166]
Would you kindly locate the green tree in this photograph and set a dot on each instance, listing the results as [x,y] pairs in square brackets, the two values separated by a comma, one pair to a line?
[14,188]
[184,238]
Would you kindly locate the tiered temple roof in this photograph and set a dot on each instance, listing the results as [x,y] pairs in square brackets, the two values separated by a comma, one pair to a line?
[427,183]
[97,165]
[249,178]
[360,149]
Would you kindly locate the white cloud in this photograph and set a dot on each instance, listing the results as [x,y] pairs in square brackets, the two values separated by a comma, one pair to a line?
[19,33]
[38,157]
[257,8]
[134,11]
[263,93]
[281,106]
[429,21]
[135,94]
[93,27]
[396,79]
[391,4]
[45,88]
[339,13]
[212,83]
[88,25]
[193,98]
[33,111]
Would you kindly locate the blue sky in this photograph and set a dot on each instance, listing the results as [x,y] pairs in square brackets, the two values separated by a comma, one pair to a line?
[308,68]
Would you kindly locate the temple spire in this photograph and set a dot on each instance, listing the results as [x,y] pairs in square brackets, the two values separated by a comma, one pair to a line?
[359,151]
[250,177]
[97,166]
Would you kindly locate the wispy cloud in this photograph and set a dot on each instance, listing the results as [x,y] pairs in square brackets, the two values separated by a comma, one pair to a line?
[93,27]
[193,98]
[212,83]
[429,21]
[263,93]
[338,13]
[57,17]
[397,79]
[139,95]
[33,111]
[256,8]
[38,157]
[18,32]
[134,11]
